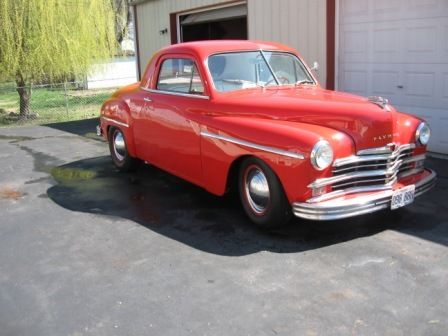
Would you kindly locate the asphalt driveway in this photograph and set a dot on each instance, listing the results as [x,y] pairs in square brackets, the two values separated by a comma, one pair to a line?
[86,250]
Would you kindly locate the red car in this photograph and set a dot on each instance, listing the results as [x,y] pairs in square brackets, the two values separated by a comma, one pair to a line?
[252,114]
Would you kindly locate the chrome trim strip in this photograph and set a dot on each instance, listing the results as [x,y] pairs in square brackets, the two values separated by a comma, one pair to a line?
[391,171]
[367,158]
[342,208]
[189,95]
[364,157]
[367,165]
[115,122]
[420,157]
[348,191]
[253,145]
[410,172]
[377,150]
[378,180]
[385,163]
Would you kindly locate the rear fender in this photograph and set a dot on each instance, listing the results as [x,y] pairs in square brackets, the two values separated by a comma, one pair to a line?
[115,112]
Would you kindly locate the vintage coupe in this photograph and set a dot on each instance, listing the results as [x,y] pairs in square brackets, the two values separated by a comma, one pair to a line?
[252,114]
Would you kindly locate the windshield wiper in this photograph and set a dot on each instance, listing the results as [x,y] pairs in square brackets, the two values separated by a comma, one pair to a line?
[304,81]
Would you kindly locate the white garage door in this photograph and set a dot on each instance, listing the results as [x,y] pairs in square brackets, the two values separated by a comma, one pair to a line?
[398,49]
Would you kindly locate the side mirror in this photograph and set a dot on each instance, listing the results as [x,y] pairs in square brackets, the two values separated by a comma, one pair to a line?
[315,66]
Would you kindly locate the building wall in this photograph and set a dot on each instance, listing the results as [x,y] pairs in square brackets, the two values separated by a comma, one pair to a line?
[297,23]
[154,16]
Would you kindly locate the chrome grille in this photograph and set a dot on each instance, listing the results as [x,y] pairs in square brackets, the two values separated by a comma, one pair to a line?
[376,166]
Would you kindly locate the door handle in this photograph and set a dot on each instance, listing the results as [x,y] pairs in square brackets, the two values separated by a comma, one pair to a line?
[147,100]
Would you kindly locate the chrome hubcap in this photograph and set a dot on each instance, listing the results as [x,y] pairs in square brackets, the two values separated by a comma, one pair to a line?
[119,146]
[257,190]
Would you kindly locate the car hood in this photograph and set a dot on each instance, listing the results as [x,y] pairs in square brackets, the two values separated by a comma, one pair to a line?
[368,124]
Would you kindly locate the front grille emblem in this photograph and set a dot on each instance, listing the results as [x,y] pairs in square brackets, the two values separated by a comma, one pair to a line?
[392,146]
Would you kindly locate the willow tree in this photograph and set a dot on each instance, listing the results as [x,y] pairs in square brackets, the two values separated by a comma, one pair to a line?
[122,19]
[52,40]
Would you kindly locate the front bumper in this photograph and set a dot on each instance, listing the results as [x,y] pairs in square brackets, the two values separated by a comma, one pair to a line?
[360,203]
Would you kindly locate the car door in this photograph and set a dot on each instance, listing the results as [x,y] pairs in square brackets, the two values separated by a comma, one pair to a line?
[171,111]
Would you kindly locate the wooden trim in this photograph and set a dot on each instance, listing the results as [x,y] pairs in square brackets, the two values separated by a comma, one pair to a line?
[173,28]
[247,20]
[331,43]
[211,6]
[137,46]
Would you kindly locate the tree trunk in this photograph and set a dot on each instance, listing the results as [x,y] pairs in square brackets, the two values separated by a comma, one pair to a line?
[25,97]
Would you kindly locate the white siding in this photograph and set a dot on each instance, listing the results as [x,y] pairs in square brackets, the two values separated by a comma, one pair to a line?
[154,16]
[300,24]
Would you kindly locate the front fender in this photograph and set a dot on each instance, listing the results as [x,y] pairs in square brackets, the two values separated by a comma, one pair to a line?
[225,139]
[116,112]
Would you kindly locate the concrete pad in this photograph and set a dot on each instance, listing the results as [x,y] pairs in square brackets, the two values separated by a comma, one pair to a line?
[86,250]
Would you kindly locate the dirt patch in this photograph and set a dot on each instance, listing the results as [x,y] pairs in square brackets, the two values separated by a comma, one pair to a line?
[70,174]
[10,193]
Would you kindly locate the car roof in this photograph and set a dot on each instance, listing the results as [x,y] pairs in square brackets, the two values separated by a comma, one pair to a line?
[206,48]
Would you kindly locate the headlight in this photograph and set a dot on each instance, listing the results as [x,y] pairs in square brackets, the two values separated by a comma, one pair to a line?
[321,155]
[423,133]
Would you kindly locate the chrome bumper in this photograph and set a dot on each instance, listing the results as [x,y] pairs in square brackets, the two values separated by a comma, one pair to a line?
[341,207]
[99,130]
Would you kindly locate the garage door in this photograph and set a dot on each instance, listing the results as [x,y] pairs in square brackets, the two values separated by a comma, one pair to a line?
[228,23]
[398,49]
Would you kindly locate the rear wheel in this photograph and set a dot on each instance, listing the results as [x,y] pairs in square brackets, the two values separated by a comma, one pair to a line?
[119,152]
[262,195]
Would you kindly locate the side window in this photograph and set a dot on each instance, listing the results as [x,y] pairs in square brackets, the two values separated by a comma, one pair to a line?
[180,75]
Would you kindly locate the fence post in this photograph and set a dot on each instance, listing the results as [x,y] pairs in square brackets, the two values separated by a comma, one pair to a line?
[66,98]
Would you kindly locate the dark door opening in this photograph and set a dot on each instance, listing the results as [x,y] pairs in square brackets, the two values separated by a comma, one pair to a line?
[216,24]
[233,29]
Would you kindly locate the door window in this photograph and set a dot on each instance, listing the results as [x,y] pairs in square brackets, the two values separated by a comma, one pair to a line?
[180,75]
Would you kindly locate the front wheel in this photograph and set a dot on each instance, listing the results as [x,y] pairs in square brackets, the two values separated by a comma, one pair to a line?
[119,152]
[262,195]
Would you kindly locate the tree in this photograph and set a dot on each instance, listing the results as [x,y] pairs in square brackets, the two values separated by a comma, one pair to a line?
[122,18]
[49,40]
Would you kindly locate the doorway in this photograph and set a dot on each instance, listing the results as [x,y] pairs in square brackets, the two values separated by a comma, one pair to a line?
[228,23]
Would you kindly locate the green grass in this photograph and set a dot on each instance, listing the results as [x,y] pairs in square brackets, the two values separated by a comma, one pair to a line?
[52,105]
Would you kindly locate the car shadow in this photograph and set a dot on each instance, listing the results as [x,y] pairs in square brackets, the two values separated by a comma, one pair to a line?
[85,127]
[177,209]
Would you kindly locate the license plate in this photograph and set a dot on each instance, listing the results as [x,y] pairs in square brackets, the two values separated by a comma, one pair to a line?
[402,197]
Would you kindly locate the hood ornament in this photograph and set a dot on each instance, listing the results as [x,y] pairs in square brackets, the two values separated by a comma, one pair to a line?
[380,101]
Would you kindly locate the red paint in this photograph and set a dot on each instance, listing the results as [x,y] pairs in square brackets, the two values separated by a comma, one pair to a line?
[166,131]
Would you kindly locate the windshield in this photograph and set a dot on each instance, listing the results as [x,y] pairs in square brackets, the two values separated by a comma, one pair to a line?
[242,70]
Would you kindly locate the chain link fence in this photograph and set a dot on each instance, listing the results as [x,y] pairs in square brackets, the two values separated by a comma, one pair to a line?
[52,102]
